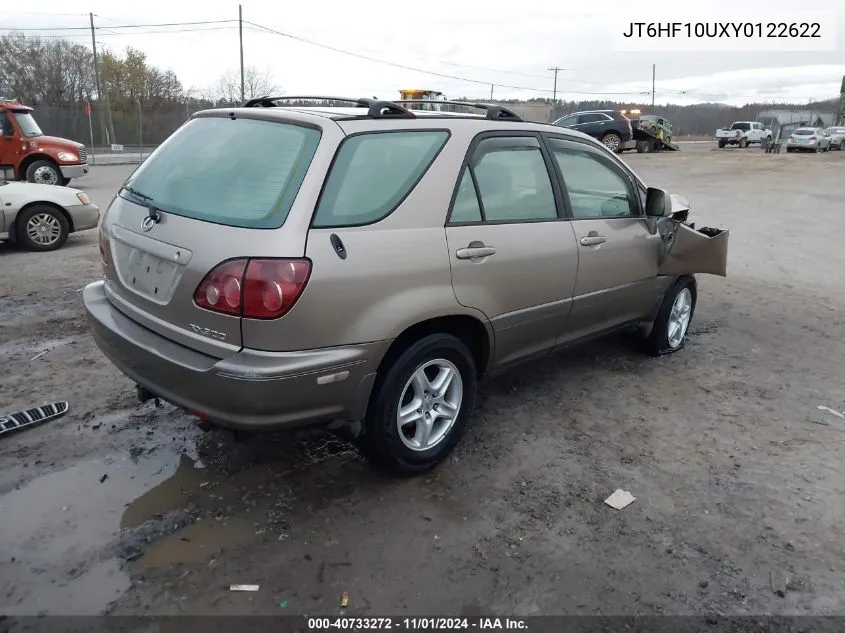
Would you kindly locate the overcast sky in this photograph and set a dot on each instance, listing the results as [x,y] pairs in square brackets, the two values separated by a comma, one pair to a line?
[509,44]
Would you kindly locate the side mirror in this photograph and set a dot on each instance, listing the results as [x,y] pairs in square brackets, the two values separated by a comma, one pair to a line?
[658,203]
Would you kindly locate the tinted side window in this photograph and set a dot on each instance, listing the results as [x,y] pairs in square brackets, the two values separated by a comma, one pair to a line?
[566,121]
[513,181]
[595,188]
[372,173]
[592,118]
[466,207]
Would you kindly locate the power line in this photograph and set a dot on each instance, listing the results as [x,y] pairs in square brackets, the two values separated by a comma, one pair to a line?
[118,26]
[415,69]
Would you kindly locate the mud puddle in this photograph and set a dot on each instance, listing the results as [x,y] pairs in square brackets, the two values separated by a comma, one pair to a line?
[74,540]
[55,528]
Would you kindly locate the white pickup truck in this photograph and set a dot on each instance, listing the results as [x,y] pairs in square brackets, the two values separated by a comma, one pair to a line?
[743,133]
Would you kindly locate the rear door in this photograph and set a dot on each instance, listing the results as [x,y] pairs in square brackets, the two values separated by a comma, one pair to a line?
[513,254]
[220,188]
[618,253]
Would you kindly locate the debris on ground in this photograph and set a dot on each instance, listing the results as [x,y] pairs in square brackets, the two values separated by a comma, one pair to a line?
[780,582]
[243,588]
[620,499]
[344,600]
[30,417]
[39,355]
[103,478]
[829,410]
[283,604]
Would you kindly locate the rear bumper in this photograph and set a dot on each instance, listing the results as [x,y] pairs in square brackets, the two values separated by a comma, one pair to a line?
[249,390]
[74,171]
[84,216]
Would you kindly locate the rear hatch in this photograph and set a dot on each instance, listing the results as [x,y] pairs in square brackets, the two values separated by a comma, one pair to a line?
[227,186]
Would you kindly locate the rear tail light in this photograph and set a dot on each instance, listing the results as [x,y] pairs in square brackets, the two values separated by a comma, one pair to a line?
[812,138]
[254,288]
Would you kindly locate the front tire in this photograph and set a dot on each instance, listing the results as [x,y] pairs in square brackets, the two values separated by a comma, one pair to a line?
[42,228]
[669,332]
[420,406]
[45,172]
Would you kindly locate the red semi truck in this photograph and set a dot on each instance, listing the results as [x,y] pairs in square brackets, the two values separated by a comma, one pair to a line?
[26,153]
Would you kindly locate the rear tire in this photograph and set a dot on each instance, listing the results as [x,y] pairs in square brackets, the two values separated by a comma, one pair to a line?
[669,332]
[45,172]
[645,147]
[722,144]
[42,228]
[408,450]
[613,142]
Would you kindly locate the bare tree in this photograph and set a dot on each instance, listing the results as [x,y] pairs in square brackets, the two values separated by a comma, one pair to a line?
[227,89]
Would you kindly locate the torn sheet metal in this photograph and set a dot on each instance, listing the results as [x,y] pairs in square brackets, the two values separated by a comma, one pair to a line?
[11,422]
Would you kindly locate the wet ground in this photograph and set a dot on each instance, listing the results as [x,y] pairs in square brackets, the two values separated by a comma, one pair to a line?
[127,508]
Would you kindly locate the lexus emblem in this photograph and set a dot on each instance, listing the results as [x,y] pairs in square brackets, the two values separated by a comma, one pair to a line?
[147,223]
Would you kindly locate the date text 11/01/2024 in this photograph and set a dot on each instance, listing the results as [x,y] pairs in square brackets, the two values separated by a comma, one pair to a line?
[724,29]
[416,624]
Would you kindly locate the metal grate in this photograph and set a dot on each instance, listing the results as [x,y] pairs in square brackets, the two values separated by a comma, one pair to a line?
[83,154]
[20,419]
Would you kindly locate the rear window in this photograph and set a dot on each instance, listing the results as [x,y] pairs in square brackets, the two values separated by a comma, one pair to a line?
[373,173]
[741,126]
[237,172]
[803,132]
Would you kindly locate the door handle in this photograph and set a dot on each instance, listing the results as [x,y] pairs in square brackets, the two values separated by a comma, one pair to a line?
[593,240]
[475,252]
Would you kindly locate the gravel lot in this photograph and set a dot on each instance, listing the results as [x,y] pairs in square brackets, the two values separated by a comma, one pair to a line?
[738,474]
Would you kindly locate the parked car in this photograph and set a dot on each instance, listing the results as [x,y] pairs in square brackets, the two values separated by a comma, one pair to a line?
[808,139]
[656,125]
[363,267]
[743,133]
[40,217]
[611,127]
[837,137]
[26,153]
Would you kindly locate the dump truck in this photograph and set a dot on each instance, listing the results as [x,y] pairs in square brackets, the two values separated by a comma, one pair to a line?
[26,153]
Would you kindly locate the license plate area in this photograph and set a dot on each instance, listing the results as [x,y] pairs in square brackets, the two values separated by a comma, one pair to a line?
[147,267]
[150,276]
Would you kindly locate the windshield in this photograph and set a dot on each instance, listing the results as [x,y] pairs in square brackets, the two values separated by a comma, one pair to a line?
[238,172]
[27,124]
[741,126]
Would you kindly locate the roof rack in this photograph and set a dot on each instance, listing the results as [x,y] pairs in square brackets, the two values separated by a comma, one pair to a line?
[493,111]
[376,108]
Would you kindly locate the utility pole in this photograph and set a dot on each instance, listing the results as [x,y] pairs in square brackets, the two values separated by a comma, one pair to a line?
[653,75]
[555,70]
[241,36]
[106,124]
[491,92]
[840,115]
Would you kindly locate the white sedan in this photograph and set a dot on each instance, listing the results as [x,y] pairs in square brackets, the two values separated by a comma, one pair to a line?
[40,217]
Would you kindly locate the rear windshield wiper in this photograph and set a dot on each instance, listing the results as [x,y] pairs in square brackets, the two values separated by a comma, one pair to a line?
[147,199]
[152,210]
